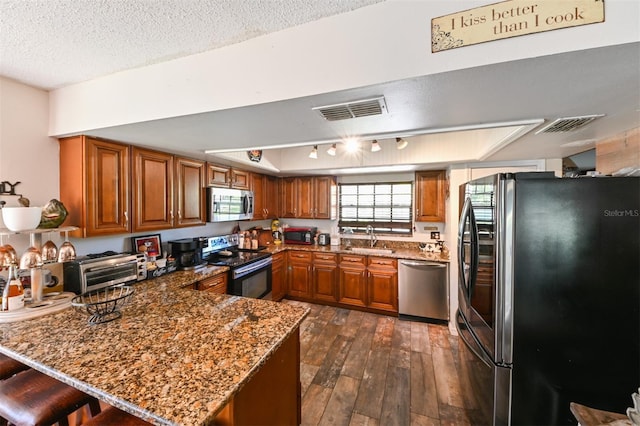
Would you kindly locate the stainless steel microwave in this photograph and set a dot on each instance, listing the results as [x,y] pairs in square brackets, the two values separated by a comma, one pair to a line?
[226,204]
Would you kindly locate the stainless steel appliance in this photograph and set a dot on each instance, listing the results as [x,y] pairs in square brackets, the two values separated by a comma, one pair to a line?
[299,235]
[96,271]
[226,204]
[249,270]
[188,253]
[324,239]
[423,290]
[549,295]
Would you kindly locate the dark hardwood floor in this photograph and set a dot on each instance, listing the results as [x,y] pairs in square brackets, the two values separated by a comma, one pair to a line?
[359,368]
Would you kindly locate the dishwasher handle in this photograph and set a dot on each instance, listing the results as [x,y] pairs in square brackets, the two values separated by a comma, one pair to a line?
[431,265]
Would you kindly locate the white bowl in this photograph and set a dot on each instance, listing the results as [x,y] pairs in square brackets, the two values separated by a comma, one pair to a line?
[21,218]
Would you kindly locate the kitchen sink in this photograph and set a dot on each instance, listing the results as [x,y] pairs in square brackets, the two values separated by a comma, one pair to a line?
[367,250]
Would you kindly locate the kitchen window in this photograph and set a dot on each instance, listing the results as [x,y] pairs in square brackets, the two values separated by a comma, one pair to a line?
[386,206]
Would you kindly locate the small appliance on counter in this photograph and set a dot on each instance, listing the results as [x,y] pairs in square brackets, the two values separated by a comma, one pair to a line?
[324,239]
[300,235]
[187,253]
[95,271]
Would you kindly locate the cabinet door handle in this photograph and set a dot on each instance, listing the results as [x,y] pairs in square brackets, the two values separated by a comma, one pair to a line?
[126,219]
[179,215]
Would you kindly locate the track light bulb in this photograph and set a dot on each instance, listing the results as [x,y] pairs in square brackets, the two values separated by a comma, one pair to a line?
[401,143]
[314,152]
[332,150]
[375,146]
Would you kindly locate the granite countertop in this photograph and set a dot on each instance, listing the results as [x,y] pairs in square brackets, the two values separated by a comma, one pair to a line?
[398,252]
[176,356]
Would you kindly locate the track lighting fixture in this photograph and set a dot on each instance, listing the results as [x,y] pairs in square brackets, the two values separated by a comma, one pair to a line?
[332,150]
[314,152]
[401,143]
[375,146]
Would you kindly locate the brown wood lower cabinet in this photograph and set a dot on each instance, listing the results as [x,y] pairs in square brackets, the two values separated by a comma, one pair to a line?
[382,284]
[353,280]
[215,284]
[278,277]
[253,406]
[325,276]
[299,274]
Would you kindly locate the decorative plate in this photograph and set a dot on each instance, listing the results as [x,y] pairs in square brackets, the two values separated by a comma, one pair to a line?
[255,155]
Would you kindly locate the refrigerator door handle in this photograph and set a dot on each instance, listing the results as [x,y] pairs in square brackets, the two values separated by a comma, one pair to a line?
[467,212]
[475,347]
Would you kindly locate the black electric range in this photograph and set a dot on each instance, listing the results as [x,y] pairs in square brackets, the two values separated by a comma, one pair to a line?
[236,258]
[249,270]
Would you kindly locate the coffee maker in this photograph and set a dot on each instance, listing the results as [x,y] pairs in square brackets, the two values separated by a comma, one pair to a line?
[187,252]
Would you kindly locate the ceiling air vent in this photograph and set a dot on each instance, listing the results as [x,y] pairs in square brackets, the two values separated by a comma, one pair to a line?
[568,124]
[355,109]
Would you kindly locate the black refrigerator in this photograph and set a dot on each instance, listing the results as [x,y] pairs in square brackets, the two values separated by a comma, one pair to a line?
[549,300]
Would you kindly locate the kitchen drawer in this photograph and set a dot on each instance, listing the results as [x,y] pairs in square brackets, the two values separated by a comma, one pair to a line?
[215,284]
[300,256]
[353,259]
[319,257]
[382,262]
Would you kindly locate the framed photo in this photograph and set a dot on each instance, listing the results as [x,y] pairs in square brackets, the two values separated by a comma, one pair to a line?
[148,244]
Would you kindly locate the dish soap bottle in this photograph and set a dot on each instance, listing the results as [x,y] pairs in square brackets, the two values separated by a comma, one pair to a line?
[13,294]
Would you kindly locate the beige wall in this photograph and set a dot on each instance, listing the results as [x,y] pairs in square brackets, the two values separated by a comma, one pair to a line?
[27,154]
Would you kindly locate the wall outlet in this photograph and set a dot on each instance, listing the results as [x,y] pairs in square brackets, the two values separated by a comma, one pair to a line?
[435,235]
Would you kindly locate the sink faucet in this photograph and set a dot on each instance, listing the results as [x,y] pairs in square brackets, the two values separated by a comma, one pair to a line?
[372,237]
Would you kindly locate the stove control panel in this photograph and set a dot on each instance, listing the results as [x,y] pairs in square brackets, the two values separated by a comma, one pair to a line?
[219,242]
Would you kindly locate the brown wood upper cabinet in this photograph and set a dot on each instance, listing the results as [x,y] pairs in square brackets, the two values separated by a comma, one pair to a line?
[227,177]
[94,185]
[265,196]
[190,201]
[168,191]
[152,190]
[111,188]
[431,187]
[309,197]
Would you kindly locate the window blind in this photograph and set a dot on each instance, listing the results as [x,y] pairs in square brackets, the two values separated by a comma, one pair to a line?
[386,206]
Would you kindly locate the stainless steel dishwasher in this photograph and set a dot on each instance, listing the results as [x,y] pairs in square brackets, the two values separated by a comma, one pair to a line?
[423,289]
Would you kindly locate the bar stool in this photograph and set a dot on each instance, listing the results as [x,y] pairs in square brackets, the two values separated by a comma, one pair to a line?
[33,398]
[112,416]
[9,367]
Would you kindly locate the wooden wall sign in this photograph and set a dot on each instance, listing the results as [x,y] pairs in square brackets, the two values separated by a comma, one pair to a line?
[511,18]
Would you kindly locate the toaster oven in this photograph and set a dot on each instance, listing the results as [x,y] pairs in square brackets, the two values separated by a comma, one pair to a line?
[88,274]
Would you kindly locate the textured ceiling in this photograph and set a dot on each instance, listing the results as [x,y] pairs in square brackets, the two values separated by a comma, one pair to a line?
[53,43]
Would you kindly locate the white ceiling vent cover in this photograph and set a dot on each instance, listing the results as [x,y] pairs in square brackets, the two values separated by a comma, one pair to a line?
[354,109]
[568,124]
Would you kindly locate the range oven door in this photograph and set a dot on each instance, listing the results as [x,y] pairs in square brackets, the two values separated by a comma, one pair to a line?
[251,280]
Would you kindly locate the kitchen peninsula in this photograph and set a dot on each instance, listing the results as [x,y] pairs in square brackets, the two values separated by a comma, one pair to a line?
[177,356]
